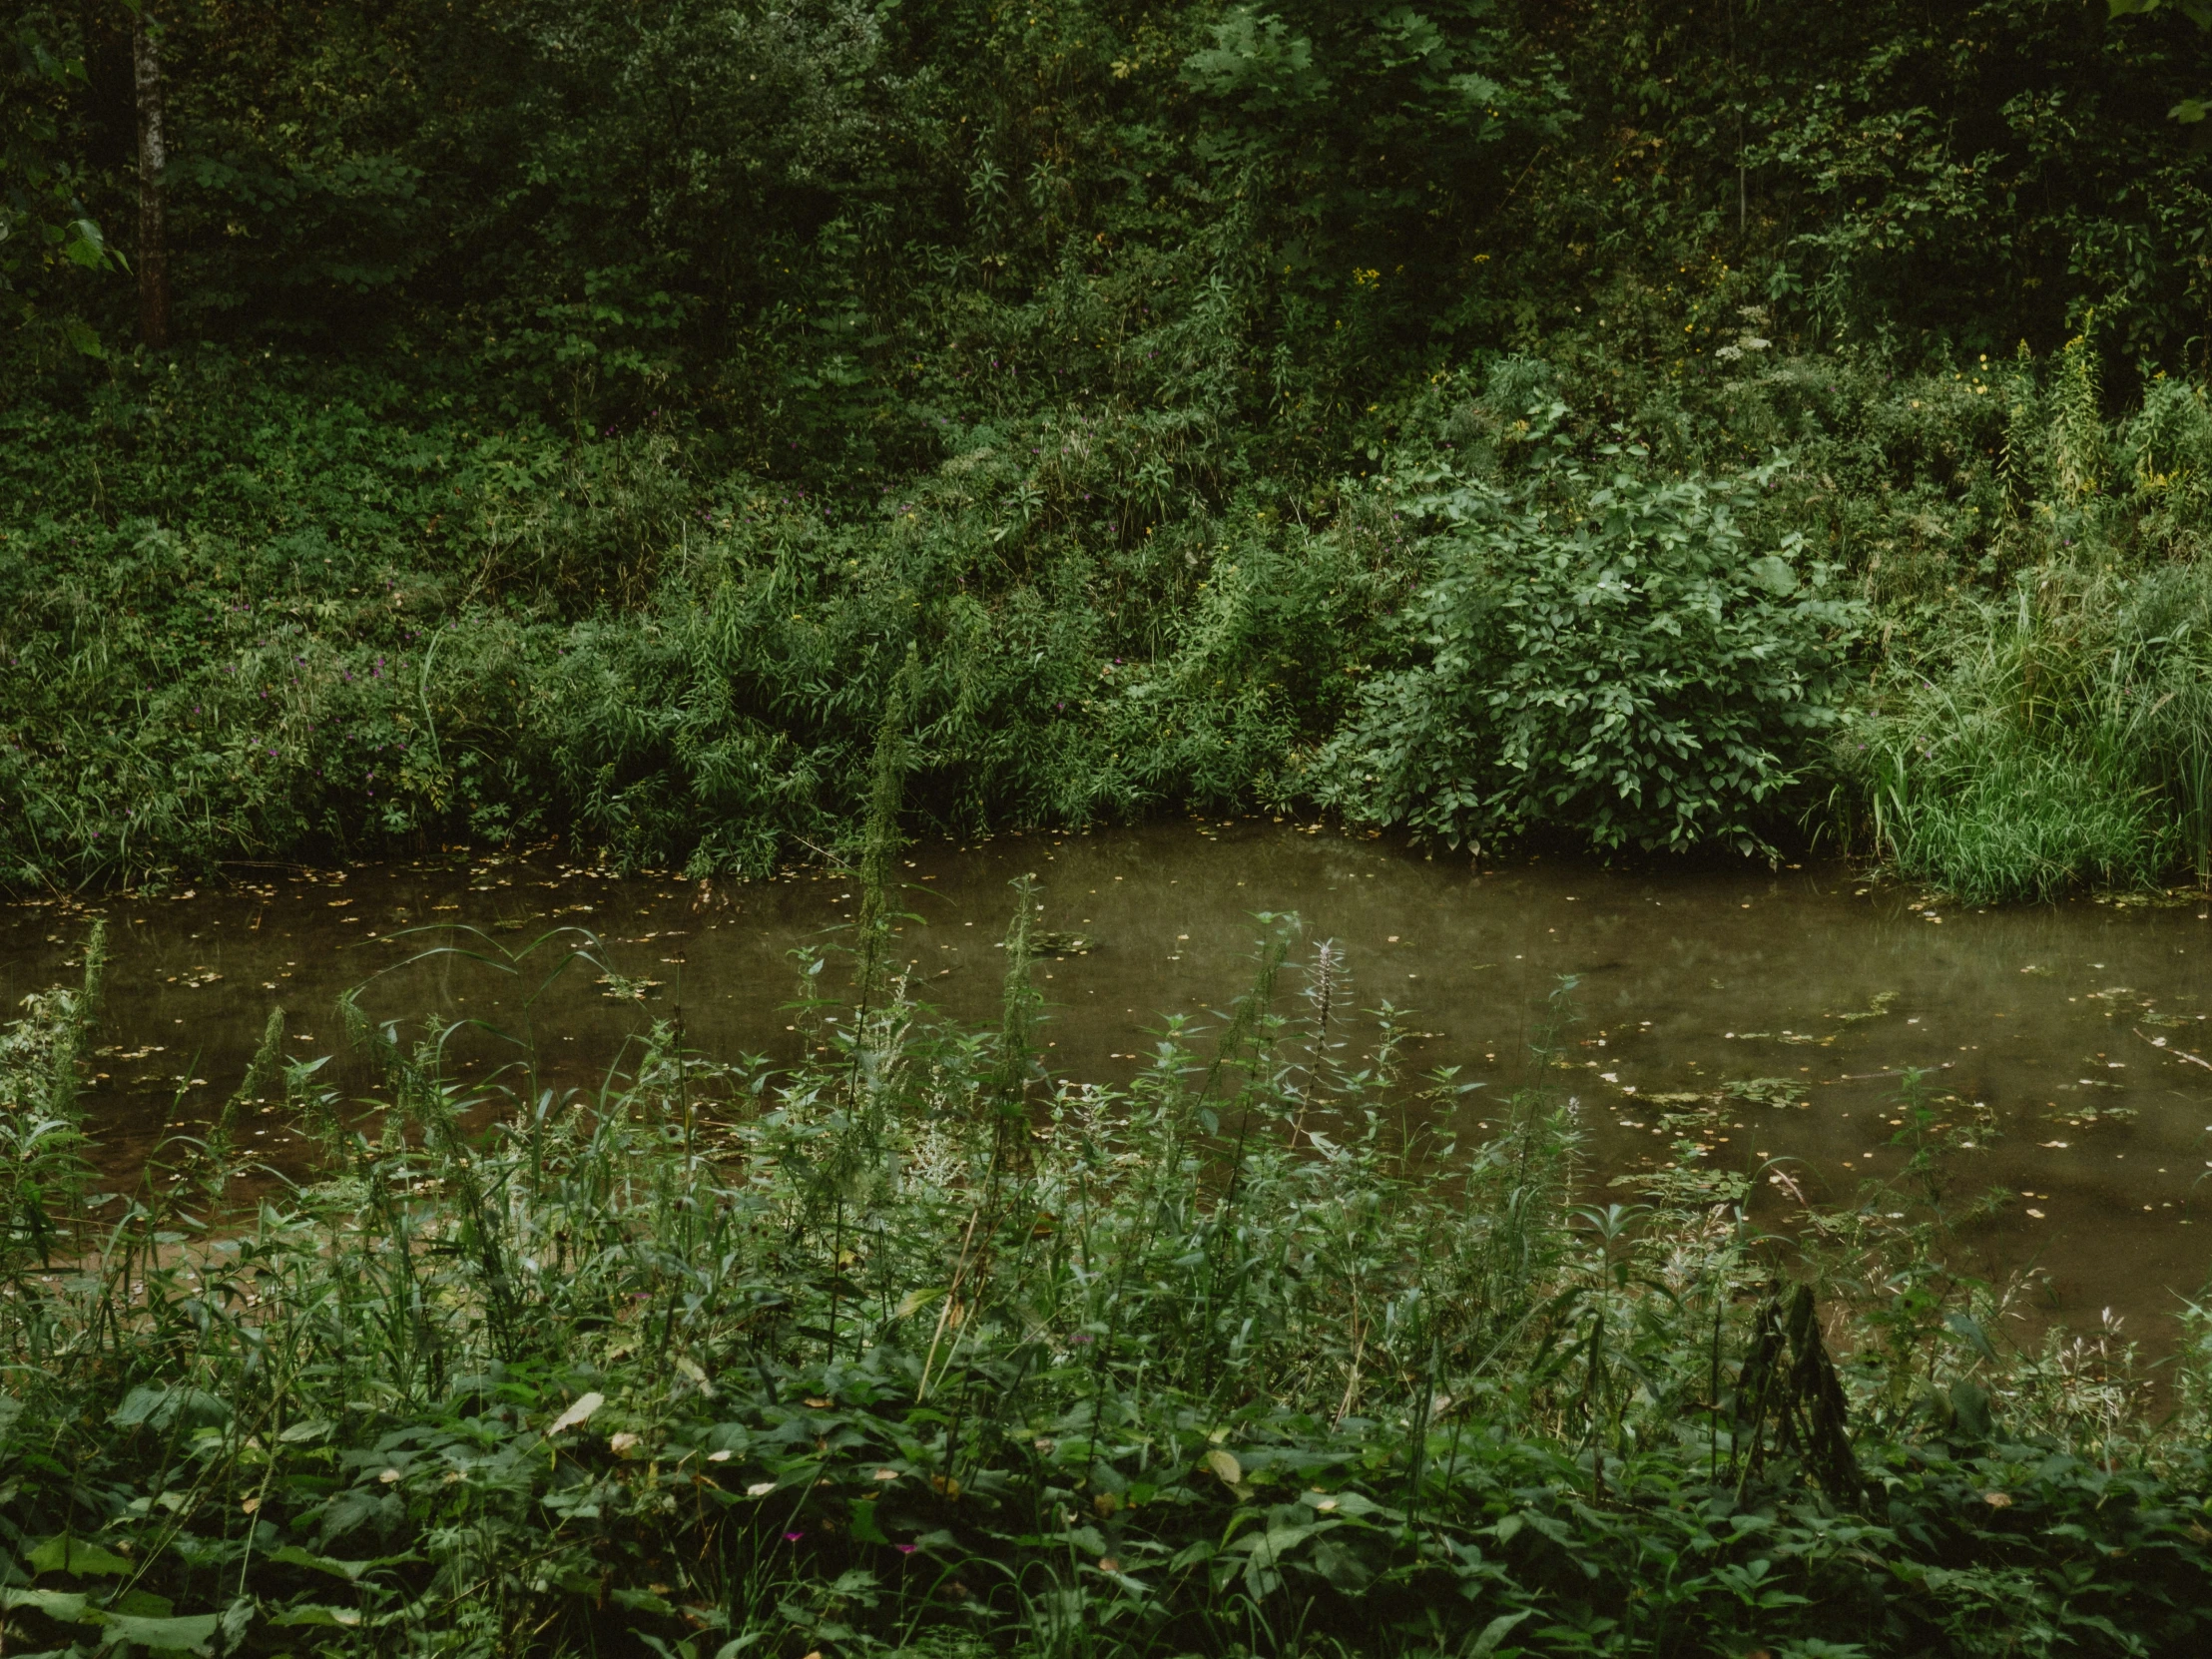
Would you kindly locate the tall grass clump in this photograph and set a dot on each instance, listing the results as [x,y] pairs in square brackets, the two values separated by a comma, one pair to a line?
[2064,733]
[922,1350]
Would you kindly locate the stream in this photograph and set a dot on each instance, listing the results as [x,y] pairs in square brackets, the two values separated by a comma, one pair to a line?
[2074,1035]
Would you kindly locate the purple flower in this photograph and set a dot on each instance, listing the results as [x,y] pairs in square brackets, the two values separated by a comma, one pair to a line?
[793,1538]
[906,1549]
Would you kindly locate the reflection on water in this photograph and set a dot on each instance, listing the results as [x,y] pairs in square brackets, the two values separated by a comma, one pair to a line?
[2075,1034]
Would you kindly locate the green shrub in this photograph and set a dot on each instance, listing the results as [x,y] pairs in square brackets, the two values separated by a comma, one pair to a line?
[1600,653]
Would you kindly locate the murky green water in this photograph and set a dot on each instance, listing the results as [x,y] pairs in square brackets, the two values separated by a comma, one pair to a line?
[2070,1029]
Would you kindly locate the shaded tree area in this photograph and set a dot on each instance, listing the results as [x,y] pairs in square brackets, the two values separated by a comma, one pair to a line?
[1176,380]
[720,207]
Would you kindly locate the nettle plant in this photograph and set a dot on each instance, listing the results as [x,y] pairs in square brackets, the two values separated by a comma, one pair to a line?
[1600,651]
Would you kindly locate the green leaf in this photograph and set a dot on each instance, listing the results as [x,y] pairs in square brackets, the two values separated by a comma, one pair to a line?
[62,1553]
[83,338]
[1773,574]
[308,1613]
[1341,1565]
[86,247]
[162,1409]
[865,1530]
[1969,1405]
[1967,1326]
[292,1556]
[1496,1632]
[67,1605]
[186,1635]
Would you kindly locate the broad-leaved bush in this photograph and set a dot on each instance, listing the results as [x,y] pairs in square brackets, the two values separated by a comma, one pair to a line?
[1602,653]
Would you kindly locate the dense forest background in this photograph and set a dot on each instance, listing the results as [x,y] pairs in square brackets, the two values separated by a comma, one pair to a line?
[696,427]
[1650,425]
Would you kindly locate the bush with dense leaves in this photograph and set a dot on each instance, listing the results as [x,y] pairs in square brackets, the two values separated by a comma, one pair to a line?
[1600,653]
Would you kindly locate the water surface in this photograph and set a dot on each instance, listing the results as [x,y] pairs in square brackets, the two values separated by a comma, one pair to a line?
[2069,1031]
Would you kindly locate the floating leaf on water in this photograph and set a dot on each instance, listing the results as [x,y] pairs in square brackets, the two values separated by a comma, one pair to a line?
[2089,1117]
[1766,1091]
[1881,1003]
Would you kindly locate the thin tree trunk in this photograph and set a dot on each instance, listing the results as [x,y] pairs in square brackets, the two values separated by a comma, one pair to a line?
[153,246]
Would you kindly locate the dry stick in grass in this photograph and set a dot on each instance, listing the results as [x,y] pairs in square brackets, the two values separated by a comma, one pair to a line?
[1351,1383]
[945,1314]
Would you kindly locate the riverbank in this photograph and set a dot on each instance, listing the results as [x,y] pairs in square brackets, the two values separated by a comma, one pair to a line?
[259,610]
[899,1348]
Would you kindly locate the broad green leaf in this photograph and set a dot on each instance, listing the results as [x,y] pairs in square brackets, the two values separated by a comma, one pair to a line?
[1496,1632]
[1773,574]
[865,1530]
[292,1556]
[308,1613]
[66,1605]
[165,1408]
[1341,1565]
[62,1553]
[186,1635]
[1967,1326]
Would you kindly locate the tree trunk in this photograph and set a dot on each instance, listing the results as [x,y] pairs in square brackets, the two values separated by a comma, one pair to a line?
[153,247]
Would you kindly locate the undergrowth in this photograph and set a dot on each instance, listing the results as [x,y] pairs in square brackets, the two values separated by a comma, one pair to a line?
[1573,598]
[568,417]
[919,1347]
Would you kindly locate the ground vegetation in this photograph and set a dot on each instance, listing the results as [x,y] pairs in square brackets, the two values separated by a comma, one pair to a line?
[568,419]
[912,1344]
